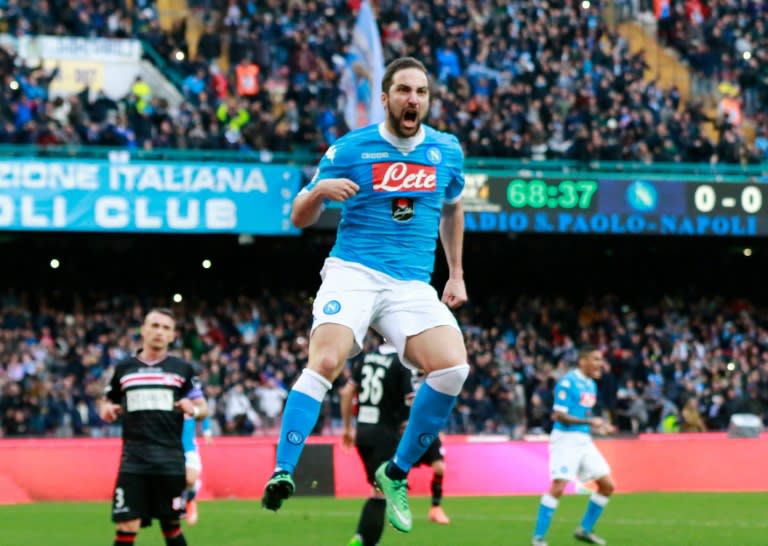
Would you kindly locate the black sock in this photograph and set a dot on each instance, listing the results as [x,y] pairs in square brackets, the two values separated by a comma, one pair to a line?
[191,494]
[124,538]
[173,535]
[394,472]
[371,523]
[437,489]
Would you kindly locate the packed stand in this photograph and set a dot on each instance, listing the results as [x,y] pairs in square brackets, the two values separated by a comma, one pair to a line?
[725,43]
[674,365]
[517,80]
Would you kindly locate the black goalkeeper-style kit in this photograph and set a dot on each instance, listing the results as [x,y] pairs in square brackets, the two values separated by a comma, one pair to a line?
[383,384]
[151,478]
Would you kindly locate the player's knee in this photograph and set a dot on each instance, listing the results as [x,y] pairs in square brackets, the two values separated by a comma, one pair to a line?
[131,526]
[606,487]
[327,364]
[448,380]
[170,526]
[438,467]
[557,488]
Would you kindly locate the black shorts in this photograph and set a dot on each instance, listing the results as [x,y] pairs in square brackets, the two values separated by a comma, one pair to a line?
[148,496]
[376,453]
[433,453]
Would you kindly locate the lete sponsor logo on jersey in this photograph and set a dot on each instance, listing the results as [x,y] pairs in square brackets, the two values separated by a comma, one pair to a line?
[404,177]
[587,399]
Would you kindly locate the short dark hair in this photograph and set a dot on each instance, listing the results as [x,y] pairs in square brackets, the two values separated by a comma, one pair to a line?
[396,66]
[163,311]
[586,349]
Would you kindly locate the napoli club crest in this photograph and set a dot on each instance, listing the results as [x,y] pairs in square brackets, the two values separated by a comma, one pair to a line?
[434,155]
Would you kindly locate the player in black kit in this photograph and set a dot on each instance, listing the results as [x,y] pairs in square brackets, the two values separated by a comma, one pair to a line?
[382,385]
[152,391]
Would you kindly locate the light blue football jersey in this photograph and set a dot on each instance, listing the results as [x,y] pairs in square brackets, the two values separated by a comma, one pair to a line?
[576,395]
[391,224]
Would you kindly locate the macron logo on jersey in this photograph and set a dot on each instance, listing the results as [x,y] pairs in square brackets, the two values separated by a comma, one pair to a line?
[401,176]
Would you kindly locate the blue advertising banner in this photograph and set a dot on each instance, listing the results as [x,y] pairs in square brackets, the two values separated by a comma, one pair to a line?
[168,197]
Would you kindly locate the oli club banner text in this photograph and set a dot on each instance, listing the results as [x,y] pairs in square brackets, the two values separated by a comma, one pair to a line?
[136,196]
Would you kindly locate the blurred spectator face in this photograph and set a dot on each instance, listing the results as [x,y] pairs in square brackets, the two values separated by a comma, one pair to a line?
[406,102]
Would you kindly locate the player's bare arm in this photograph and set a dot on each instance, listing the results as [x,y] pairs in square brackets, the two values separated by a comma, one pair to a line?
[594,422]
[308,205]
[197,408]
[452,238]
[347,395]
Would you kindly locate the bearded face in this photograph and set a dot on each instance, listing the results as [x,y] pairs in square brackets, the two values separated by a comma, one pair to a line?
[407,102]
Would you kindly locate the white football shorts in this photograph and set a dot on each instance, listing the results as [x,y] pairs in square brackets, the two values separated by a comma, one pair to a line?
[357,296]
[574,455]
[192,460]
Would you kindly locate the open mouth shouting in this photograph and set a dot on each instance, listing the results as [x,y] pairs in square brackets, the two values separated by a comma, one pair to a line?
[409,121]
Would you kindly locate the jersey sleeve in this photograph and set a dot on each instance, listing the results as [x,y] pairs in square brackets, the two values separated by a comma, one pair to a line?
[562,393]
[113,390]
[332,165]
[456,170]
[192,387]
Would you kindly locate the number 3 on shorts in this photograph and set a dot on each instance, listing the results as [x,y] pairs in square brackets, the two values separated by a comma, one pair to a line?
[119,497]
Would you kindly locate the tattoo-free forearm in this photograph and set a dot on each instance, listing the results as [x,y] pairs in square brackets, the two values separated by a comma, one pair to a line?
[452,238]
[307,207]
[347,394]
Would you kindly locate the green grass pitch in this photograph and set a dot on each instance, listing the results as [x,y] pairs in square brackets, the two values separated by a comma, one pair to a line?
[685,519]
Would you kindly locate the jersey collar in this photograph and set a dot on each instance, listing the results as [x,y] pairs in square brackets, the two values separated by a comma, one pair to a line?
[404,145]
[580,375]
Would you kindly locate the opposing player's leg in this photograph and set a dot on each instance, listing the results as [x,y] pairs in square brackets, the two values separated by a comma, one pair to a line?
[436,512]
[329,347]
[370,526]
[594,466]
[168,506]
[440,352]
[129,506]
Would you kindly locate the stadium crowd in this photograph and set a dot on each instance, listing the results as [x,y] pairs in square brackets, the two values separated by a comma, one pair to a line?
[521,80]
[675,365]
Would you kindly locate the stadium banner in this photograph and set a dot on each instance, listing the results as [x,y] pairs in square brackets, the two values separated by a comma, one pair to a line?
[238,467]
[138,196]
[614,206]
[107,64]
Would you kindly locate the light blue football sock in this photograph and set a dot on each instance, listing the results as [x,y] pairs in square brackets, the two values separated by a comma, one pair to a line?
[546,511]
[429,413]
[595,507]
[299,417]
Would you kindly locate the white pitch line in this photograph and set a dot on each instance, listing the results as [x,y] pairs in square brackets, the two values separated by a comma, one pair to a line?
[629,522]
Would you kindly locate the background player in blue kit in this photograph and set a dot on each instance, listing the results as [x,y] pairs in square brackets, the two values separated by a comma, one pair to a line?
[400,185]
[193,463]
[572,454]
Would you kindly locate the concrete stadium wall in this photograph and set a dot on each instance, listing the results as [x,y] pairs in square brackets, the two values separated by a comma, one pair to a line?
[85,469]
